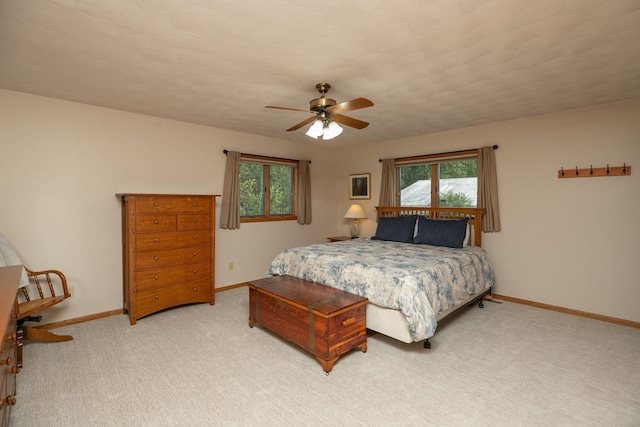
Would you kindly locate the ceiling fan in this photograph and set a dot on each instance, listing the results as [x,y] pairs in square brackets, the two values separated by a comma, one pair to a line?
[328,114]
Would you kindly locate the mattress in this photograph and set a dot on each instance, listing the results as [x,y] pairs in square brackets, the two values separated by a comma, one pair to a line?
[420,281]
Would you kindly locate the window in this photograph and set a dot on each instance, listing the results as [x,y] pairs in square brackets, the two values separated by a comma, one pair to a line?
[435,182]
[267,189]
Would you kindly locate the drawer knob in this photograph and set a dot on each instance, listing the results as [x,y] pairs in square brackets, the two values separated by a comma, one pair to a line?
[156,277]
[195,289]
[195,220]
[156,240]
[195,271]
[8,361]
[156,258]
[349,321]
[156,222]
[157,296]
[195,237]
[195,204]
[156,204]
[195,254]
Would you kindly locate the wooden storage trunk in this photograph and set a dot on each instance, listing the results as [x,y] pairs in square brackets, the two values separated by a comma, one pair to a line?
[326,322]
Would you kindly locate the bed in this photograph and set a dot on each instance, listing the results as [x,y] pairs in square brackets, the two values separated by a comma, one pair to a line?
[422,265]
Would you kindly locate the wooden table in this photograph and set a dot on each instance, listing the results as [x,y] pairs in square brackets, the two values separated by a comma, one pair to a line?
[325,321]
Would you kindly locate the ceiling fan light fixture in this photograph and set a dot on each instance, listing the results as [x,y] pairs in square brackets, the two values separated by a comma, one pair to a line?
[324,109]
[316,129]
[331,131]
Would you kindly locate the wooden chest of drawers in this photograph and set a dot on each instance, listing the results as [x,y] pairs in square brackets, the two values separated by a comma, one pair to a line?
[326,322]
[168,251]
[11,345]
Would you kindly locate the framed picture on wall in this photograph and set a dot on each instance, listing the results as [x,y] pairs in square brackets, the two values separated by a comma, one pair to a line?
[360,186]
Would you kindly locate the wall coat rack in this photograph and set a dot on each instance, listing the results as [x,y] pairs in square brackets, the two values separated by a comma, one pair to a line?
[593,172]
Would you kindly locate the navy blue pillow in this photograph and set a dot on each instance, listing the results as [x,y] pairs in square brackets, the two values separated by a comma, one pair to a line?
[441,232]
[396,229]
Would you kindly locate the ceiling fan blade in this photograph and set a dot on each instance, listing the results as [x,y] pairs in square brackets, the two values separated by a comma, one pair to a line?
[302,123]
[354,104]
[290,109]
[349,121]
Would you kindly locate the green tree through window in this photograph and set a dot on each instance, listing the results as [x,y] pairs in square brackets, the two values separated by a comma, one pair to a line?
[251,184]
[281,194]
[267,191]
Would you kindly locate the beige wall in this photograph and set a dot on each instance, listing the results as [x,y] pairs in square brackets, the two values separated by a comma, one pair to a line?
[566,242]
[64,162]
[571,243]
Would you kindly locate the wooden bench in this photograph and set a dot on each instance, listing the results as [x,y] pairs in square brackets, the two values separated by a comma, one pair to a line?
[326,322]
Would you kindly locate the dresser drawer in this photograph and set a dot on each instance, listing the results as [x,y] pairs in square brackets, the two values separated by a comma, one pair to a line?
[193,204]
[5,399]
[155,259]
[167,276]
[194,221]
[152,300]
[9,365]
[169,240]
[156,222]
[155,204]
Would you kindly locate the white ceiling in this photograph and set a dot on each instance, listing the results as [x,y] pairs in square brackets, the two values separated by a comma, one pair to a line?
[428,66]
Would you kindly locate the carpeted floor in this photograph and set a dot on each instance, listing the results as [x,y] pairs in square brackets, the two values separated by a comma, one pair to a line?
[201,365]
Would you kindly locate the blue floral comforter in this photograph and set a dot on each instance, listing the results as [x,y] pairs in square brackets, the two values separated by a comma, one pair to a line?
[419,280]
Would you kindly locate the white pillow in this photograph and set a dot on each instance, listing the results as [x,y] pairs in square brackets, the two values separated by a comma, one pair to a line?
[8,256]
[467,233]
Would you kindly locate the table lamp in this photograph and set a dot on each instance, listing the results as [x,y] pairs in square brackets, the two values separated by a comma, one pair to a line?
[355,213]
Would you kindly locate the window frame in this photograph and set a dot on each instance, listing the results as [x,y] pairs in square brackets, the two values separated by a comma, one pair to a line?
[434,161]
[266,163]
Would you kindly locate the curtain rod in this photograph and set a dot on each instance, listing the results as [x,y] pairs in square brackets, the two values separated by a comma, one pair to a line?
[495,147]
[265,157]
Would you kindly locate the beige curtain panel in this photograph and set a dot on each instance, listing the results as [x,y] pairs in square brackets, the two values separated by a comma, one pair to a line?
[230,210]
[388,183]
[488,189]
[304,192]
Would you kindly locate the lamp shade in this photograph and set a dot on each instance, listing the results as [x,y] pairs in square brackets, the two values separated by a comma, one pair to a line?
[355,212]
[325,129]
[315,130]
[331,131]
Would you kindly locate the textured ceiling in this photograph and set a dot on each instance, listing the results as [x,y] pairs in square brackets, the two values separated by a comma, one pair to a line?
[428,66]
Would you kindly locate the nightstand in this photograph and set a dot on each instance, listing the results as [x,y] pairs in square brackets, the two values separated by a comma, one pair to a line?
[338,238]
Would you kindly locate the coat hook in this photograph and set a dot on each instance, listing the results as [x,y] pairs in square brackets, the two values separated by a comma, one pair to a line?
[591,171]
[607,168]
[577,173]
[624,168]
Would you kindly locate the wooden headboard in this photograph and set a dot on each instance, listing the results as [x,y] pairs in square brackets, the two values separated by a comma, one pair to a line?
[474,215]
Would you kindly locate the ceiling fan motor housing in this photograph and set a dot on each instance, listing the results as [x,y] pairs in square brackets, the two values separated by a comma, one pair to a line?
[319,104]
